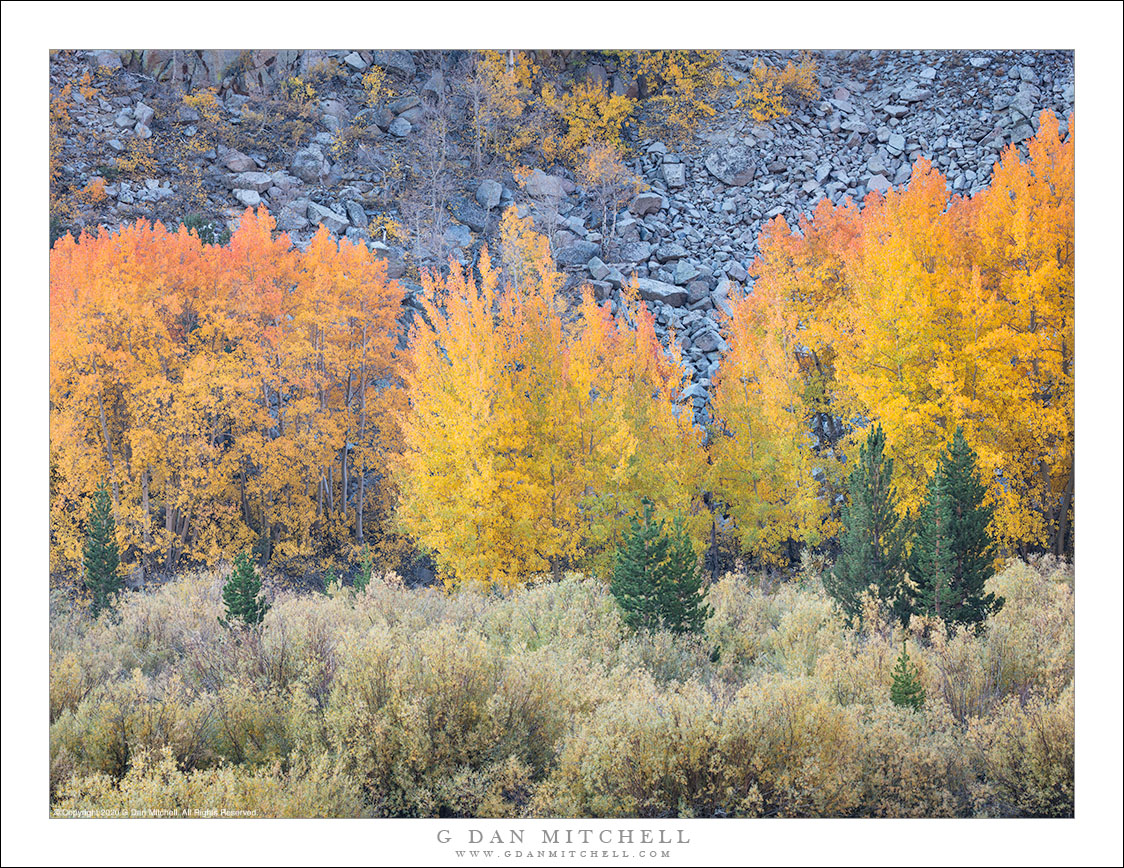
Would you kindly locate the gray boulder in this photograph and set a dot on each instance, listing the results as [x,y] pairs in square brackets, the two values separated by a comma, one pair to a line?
[309,164]
[657,290]
[577,253]
[733,165]
[327,217]
[399,63]
[489,194]
[540,185]
[646,203]
[470,214]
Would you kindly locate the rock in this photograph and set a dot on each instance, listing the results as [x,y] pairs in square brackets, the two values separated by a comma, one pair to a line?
[598,270]
[415,116]
[540,185]
[355,61]
[646,203]
[125,118]
[669,252]
[708,341]
[601,289]
[309,164]
[489,194]
[400,127]
[144,114]
[656,290]
[236,161]
[896,143]
[734,165]
[693,392]
[470,214]
[249,198]
[685,272]
[259,182]
[434,86]
[356,214]
[878,184]
[697,290]
[458,236]
[896,111]
[395,258]
[577,253]
[292,217]
[399,63]
[914,94]
[326,217]
[674,175]
[142,132]
[103,59]
[634,251]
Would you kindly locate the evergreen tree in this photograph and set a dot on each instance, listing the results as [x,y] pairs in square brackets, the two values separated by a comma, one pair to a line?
[872,539]
[906,690]
[100,557]
[953,553]
[656,579]
[240,594]
[366,569]
[682,606]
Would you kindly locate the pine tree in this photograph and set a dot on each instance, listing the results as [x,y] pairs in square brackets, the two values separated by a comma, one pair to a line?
[906,690]
[240,594]
[636,574]
[682,606]
[953,553]
[872,539]
[366,569]
[656,579]
[101,557]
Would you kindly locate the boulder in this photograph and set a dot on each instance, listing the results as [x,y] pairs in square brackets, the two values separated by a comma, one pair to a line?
[657,290]
[469,213]
[577,253]
[259,182]
[249,198]
[646,203]
[399,63]
[733,165]
[489,194]
[236,161]
[327,217]
[309,164]
[540,185]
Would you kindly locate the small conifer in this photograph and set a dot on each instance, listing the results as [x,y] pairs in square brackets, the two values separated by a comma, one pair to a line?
[656,579]
[240,594]
[100,556]
[906,690]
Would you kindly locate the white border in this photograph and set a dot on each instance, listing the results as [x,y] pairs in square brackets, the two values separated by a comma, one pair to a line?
[1092,29]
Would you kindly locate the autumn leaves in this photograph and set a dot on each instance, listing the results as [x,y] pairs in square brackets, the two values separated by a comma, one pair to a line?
[234,396]
[923,312]
[253,395]
[529,441]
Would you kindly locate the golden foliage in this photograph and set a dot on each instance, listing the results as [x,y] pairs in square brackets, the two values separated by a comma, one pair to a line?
[686,86]
[770,93]
[227,393]
[587,114]
[527,443]
[923,312]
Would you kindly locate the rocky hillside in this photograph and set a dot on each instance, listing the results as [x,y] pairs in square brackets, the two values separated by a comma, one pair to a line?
[299,133]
